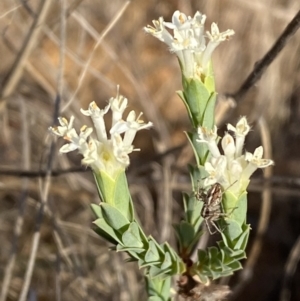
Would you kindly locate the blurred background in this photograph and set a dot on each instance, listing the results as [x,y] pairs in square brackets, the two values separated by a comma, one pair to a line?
[80,51]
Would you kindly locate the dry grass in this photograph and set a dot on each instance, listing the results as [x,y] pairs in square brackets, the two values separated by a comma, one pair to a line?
[81,50]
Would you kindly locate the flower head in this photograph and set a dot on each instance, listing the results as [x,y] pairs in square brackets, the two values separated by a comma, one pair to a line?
[233,169]
[189,40]
[103,153]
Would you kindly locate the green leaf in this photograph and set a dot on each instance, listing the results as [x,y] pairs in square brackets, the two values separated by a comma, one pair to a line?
[236,265]
[196,96]
[243,240]
[193,146]
[155,272]
[159,289]
[121,248]
[235,207]
[167,261]
[131,237]
[212,253]
[192,210]
[209,80]
[232,231]
[144,264]
[152,254]
[114,217]
[106,187]
[198,174]
[98,182]
[199,148]
[105,231]
[181,95]
[122,198]
[185,233]
[207,120]
[201,256]
[97,210]
[203,278]
[178,267]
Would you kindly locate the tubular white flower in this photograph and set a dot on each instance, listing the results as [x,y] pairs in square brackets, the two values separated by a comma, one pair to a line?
[210,138]
[216,170]
[189,41]
[97,116]
[228,146]
[215,37]
[255,161]
[130,127]
[159,31]
[109,155]
[64,128]
[241,131]
[118,106]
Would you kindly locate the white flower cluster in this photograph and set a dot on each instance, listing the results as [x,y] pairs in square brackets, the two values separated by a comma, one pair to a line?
[233,169]
[103,154]
[189,40]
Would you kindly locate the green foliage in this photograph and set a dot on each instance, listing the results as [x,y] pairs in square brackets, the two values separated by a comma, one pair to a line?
[116,222]
[159,289]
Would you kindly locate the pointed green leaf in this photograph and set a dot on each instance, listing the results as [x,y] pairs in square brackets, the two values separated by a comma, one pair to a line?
[243,240]
[201,256]
[200,149]
[152,254]
[236,208]
[97,210]
[196,96]
[144,264]
[236,265]
[121,248]
[106,231]
[209,80]
[131,237]
[167,261]
[185,233]
[193,211]
[106,187]
[159,289]
[194,147]
[208,120]
[232,231]
[155,271]
[122,198]
[113,217]
[213,252]
[181,95]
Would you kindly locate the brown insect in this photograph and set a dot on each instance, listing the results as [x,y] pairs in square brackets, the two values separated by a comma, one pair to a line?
[212,208]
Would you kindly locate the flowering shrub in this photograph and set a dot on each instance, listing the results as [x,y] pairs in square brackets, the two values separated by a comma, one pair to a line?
[220,179]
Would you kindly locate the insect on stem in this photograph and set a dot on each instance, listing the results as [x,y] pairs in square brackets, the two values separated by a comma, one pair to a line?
[212,208]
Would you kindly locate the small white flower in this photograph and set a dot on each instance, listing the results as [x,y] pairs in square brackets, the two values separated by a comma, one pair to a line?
[241,131]
[228,146]
[118,106]
[210,138]
[130,127]
[216,170]
[256,161]
[97,116]
[64,128]
[189,41]
[102,153]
